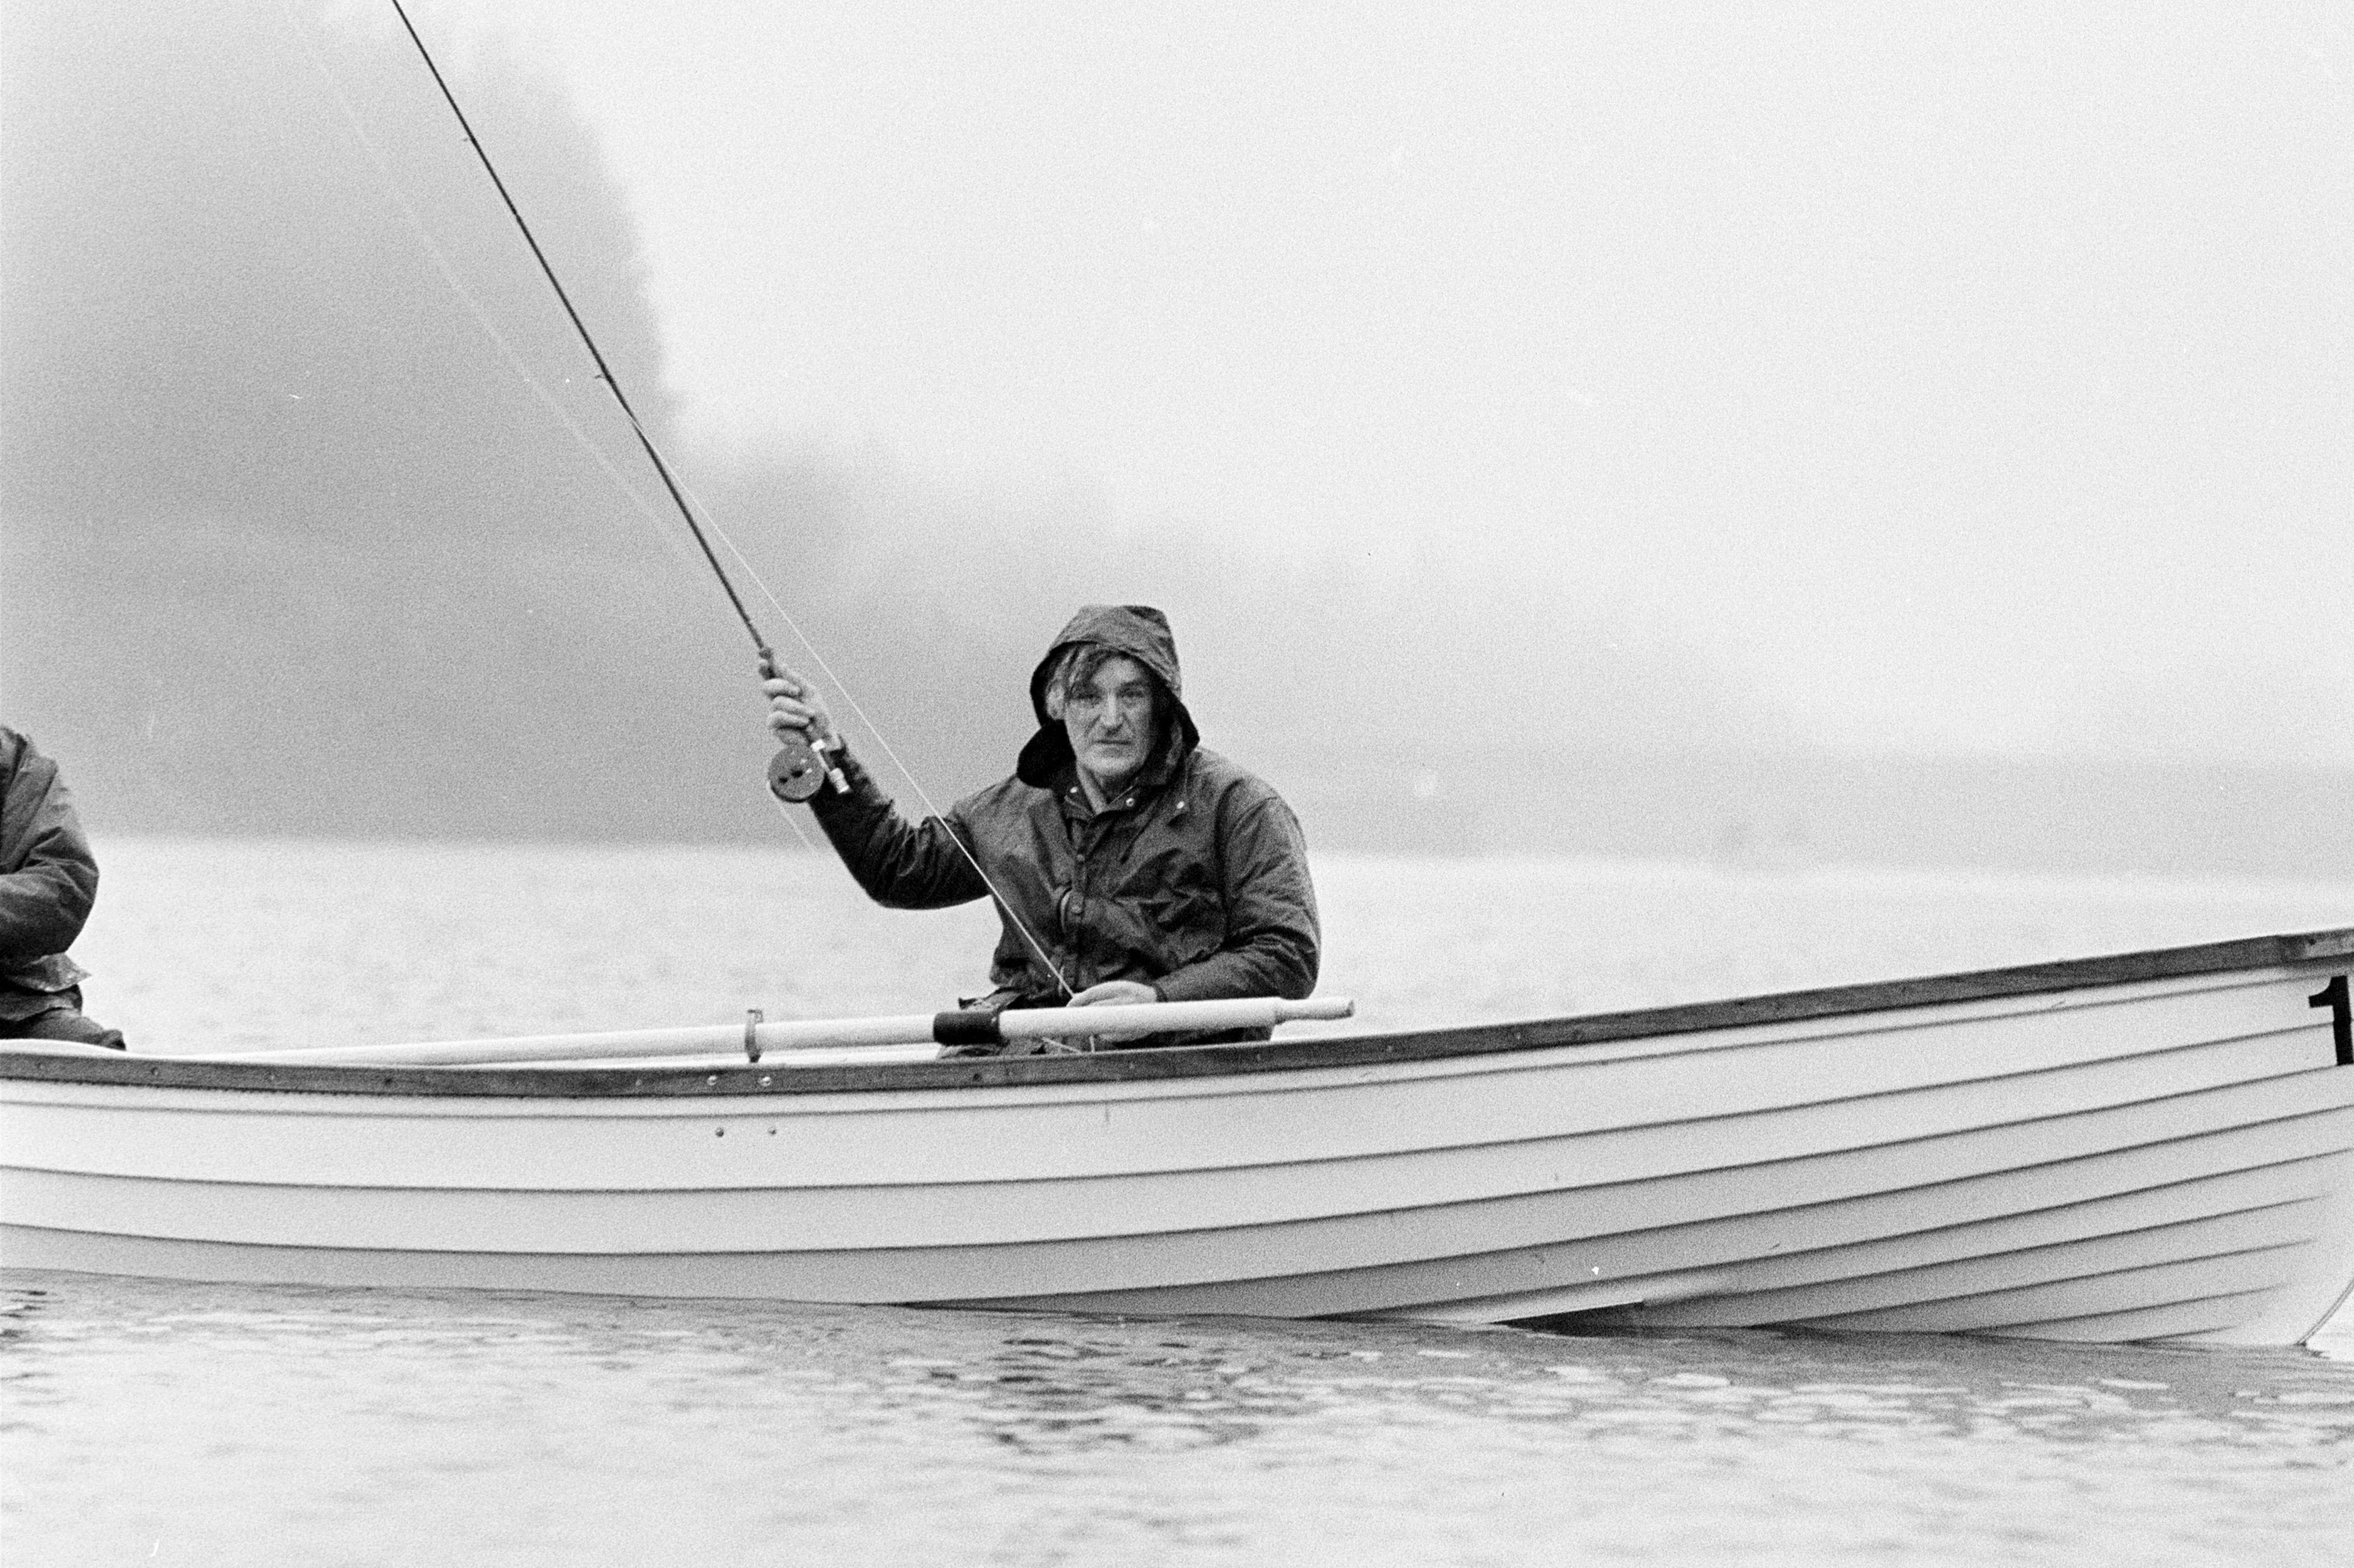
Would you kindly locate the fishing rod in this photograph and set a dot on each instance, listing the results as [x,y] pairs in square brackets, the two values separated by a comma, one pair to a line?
[798,771]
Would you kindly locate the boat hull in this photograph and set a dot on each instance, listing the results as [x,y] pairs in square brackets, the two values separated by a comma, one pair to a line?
[2161,1157]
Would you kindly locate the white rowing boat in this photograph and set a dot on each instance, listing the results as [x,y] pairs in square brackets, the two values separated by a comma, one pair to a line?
[2158,1146]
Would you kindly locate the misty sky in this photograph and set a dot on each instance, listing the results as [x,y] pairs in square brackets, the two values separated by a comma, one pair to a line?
[1912,377]
[1953,376]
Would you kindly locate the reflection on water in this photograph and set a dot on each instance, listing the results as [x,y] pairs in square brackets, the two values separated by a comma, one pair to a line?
[197,1423]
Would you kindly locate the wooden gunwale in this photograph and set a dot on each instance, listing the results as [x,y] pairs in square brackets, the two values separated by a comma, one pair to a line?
[1197,1061]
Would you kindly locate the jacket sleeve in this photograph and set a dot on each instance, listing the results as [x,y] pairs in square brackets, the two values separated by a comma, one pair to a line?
[1273,945]
[901,864]
[52,878]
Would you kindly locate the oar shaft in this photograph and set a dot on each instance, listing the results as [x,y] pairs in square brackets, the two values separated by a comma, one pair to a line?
[693,1040]
[906,1029]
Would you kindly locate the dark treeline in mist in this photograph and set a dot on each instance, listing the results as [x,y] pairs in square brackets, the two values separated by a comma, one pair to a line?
[291,543]
[294,546]
[297,541]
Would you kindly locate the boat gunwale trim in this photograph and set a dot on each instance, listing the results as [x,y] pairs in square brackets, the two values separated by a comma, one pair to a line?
[2284,952]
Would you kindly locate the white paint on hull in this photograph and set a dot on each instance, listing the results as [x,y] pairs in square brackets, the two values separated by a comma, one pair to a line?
[2167,1159]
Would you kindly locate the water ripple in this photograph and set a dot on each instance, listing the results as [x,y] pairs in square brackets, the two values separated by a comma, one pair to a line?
[517,1429]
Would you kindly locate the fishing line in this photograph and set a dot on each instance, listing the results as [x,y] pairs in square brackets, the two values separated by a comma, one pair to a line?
[449,275]
[423,234]
[671,482]
[604,371]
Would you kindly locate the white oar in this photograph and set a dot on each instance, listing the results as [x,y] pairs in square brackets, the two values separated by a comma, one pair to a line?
[754,1038]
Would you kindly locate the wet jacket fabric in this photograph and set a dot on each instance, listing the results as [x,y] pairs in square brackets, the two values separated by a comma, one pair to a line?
[48,880]
[1193,880]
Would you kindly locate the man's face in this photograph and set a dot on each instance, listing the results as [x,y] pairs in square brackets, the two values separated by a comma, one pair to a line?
[1109,720]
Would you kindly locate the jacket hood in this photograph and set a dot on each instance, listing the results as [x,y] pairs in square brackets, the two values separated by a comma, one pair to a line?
[1137,631]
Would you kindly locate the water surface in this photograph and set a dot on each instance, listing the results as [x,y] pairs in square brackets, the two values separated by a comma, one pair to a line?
[154,1423]
[217,1424]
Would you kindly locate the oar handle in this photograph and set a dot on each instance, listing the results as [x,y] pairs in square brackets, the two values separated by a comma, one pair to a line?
[1133,1018]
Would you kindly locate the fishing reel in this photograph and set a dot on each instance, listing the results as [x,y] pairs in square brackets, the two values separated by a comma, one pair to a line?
[798,771]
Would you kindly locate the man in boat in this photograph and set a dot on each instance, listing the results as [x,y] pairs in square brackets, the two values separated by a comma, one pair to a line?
[48,879]
[1130,863]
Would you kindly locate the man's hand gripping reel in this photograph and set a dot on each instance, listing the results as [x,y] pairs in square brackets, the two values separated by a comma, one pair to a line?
[799,769]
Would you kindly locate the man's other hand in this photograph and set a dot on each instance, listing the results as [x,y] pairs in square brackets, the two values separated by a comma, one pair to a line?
[1117,993]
